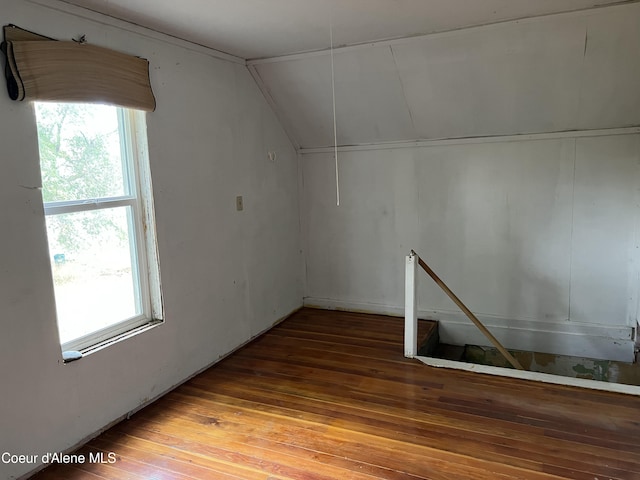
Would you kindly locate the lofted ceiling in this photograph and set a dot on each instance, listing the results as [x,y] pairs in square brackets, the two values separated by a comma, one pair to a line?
[549,74]
[253,29]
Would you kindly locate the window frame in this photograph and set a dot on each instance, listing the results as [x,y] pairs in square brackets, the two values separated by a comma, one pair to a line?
[142,237]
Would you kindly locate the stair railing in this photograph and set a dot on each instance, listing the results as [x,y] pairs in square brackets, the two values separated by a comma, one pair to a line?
[411,310]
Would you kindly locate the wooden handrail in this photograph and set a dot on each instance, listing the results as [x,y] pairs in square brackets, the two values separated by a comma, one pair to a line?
[468,313]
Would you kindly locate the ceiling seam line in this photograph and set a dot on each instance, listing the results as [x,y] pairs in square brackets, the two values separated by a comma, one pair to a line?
[437,34]
[404,95]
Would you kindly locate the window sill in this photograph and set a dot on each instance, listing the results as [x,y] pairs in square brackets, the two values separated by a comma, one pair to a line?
[69,356]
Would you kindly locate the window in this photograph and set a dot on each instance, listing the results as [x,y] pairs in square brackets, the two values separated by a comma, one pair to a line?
[97,199]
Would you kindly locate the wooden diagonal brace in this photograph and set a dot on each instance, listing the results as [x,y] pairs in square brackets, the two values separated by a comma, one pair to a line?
[468,313]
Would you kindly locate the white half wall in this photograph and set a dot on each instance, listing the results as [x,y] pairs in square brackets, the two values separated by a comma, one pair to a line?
[539,238]
[226,275]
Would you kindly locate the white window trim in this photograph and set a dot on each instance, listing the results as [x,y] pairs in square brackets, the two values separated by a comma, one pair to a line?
[136,128]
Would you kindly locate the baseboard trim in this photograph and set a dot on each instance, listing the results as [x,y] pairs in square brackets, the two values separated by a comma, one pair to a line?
[560,337]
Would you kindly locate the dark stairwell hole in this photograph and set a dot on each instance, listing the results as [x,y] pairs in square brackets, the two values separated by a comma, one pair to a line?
[577,367]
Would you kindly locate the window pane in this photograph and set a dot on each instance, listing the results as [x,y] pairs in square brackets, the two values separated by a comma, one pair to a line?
[80,155]
[95,281]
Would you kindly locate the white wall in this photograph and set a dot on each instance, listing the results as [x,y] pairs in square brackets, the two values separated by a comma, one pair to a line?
[226,275]
[537,233]
[539,238]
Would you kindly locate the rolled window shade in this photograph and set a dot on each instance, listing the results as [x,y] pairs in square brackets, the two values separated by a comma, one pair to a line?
[15,34]
[39,68]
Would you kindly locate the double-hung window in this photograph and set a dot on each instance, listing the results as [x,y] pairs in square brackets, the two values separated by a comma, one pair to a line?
[96,190]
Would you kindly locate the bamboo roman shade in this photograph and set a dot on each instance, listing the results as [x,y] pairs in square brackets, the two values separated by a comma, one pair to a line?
[40,68]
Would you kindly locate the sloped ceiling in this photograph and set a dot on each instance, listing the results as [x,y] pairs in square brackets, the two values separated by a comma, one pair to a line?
[557,73]
[554,72]
[267,28]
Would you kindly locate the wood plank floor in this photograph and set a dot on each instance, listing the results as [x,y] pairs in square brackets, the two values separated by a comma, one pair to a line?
[328,395]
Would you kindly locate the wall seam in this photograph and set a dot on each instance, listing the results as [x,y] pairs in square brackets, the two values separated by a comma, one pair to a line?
[573,208]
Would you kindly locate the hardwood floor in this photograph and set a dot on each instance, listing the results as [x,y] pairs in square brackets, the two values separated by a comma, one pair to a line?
[329,395]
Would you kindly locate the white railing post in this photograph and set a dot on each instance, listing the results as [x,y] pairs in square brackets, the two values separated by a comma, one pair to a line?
[411,307]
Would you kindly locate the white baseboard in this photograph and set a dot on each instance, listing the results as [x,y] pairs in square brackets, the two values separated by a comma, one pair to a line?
[560,337]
